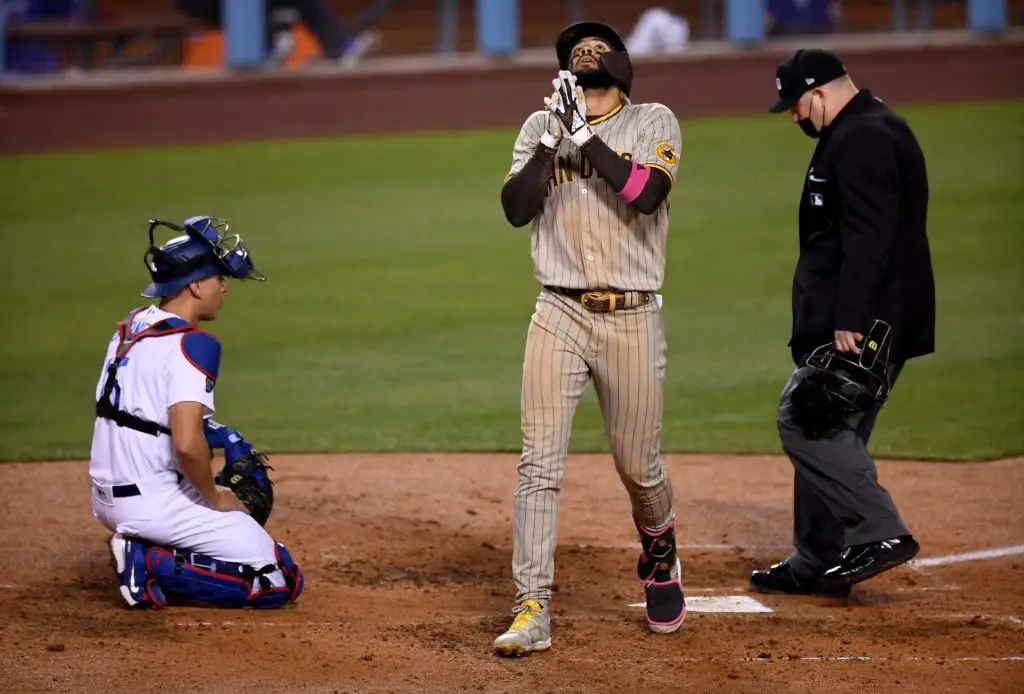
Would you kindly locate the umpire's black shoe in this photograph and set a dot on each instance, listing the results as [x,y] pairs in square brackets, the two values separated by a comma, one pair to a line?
[781,578]
[861,562]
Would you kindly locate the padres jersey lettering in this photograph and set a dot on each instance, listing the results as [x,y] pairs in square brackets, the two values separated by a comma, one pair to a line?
[585,236]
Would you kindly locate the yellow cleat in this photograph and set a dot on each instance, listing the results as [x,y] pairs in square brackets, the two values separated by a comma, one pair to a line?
[530,631]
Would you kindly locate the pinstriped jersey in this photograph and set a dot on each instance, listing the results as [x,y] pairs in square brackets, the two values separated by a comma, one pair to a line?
[585,236]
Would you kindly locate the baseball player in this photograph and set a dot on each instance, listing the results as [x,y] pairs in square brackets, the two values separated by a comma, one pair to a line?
[593,172]
[176,532]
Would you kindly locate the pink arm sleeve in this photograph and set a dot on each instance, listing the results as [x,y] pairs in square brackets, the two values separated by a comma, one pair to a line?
[638,176]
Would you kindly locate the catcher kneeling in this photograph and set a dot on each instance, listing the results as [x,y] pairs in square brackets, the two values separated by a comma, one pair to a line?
[179,531]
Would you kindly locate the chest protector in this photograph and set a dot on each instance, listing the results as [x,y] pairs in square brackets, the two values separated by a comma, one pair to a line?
[105,407]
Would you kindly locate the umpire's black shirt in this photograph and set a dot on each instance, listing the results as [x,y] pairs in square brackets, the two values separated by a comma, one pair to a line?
[863,249]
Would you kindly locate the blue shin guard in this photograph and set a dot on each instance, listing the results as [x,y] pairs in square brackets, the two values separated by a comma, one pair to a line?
[225,584]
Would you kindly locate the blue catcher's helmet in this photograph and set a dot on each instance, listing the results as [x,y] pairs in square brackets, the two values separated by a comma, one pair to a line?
[204,250]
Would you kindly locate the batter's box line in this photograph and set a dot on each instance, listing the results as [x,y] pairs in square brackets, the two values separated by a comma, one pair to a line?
[1015,622]
[928,562]
[882,659]
[920,565]
[687,546]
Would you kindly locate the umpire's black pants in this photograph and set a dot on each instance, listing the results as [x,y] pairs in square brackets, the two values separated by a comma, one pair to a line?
[837,500]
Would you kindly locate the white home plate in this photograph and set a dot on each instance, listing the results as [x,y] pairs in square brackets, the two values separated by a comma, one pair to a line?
[719,603]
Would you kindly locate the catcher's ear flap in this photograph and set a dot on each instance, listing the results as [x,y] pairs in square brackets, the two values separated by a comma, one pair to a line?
[618,65]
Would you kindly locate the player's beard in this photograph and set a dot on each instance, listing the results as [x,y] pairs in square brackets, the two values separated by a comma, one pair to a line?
[594,79]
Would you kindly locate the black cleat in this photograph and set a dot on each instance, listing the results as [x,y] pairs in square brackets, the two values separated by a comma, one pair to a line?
[780,578]
[861,562]
[662,574]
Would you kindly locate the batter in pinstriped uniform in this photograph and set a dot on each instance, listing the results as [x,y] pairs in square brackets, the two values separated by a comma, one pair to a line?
[592,172]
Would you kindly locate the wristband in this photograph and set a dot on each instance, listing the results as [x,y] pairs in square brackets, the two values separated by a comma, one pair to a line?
[549,140]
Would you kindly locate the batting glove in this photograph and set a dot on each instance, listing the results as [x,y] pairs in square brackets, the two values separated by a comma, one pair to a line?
[552,139]
[570,108]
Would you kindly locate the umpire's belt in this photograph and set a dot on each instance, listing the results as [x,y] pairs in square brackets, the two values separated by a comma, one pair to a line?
[604,300]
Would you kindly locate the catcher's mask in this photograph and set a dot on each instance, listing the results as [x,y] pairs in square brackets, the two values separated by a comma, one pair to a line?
[854,382]
[614,67]
[204,250]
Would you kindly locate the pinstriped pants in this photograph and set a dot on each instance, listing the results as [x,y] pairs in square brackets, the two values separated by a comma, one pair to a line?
[624,352]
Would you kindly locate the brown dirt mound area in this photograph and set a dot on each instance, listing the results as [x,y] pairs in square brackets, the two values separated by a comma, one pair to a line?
[408,583]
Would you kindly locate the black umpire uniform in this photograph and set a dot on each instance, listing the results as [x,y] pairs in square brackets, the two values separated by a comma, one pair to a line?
[864,256]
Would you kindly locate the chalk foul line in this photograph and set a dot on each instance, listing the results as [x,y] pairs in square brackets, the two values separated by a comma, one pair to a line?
[1011,551]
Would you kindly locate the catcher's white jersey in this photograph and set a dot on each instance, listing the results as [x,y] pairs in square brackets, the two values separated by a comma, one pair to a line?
[161,371]
[157,373]
[585,236]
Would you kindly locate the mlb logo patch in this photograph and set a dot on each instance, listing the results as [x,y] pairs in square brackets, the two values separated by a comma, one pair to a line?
[817,200]
[209,384]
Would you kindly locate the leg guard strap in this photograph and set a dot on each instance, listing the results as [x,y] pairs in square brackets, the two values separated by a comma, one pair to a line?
[270,596]
[227,584]
[658,555]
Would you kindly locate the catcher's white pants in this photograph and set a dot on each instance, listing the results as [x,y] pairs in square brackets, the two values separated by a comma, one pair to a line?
[173,515]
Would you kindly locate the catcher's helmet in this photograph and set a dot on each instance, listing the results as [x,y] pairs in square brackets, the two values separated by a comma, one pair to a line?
[615,64]
[204,250]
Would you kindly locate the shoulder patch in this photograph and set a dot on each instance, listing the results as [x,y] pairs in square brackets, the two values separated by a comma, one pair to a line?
[202,350]
[666,153]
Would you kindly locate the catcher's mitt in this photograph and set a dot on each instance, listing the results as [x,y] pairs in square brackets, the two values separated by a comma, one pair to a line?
[248,478]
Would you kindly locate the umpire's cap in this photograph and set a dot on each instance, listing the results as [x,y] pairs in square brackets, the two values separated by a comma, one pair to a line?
[204,250]
[616,62]
[804,70]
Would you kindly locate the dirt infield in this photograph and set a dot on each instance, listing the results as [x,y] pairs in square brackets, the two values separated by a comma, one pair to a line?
[408,582]
[299,106]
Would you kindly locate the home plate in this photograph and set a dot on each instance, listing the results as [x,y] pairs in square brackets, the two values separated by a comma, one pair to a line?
[720,603]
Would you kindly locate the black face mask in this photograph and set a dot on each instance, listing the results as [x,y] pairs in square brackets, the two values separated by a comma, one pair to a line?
[807,125]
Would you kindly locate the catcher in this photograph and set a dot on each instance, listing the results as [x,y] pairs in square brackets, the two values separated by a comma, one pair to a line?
[179,531]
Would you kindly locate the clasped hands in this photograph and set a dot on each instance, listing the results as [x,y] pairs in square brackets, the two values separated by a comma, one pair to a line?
[569,107]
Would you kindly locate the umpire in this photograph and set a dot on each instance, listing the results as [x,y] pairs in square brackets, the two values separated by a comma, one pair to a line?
[864,257]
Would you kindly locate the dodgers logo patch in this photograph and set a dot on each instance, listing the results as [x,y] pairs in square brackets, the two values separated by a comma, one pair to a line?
[666,153]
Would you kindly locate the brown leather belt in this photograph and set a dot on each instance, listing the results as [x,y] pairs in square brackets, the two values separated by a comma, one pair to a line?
[603,300]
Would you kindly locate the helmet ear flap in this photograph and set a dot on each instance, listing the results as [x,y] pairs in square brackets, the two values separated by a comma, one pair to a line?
[619,67]
[154,252]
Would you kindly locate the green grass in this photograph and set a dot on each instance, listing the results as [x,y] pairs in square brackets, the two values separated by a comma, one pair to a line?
[398,298]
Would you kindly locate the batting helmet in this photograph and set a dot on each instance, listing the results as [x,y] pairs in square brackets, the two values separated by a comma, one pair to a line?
[614,66]
[204,250]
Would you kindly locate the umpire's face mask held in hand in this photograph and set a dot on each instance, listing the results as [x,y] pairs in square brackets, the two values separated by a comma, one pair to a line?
[807,123]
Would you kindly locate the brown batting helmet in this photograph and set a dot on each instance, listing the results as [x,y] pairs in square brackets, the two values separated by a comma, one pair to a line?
[614,66]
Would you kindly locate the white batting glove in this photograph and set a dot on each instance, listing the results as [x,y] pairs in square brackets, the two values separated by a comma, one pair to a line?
[570,108]
[552,136]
